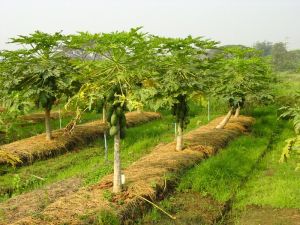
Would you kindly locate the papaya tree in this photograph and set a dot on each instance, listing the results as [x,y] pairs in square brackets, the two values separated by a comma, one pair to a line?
[245,75]
[39,71]
[118,66]
[81,48]
[180,66]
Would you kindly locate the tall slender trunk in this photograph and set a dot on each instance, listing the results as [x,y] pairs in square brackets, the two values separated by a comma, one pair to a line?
[225,120]
[47,124]
[237,111]
[179,138]
[59,117]
[208,109]
[117,185]
[104,135]
[104,113]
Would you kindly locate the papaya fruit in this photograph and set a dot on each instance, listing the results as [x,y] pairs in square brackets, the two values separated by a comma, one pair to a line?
[110,111]
[114,119]
[43,100]
[113,131]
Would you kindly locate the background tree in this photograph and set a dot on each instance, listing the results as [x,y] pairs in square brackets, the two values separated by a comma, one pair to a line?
[179,66]
[280,56]
[39,71]
[245,75]
[265,47]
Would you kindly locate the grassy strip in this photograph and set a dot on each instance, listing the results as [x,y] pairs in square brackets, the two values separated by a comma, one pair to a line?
[220,176]
[89,163]
[273,184]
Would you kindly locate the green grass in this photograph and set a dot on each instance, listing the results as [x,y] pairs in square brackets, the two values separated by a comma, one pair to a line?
[273,184]
[269,184]
[220,176]
[88,163]
[288,84]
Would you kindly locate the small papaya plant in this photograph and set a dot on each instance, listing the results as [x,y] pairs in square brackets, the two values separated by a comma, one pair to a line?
[292,113]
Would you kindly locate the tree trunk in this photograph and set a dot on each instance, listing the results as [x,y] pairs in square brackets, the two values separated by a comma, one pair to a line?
[117,185]
[104,114]
[47,124]
[179,138]
[208,109]
[237,112]
[225,120]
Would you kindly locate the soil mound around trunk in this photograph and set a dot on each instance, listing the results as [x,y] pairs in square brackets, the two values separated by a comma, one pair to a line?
[37,147]
[151,177]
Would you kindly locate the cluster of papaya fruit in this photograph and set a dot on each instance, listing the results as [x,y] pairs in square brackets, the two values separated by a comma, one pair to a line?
[237,100]
[181,111]
[46,100]
[116,114]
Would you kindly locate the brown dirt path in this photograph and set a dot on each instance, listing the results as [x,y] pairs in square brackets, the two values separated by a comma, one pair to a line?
[189,208]
[255,215]
[150,177]
[37,147]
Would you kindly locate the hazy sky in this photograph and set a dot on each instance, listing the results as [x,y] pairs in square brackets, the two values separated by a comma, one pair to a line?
[228,21]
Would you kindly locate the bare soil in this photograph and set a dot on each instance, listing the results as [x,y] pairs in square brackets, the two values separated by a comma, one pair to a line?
[190,208]
[255,215]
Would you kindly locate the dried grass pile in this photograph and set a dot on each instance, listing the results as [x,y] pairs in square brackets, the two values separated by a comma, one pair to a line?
[37,147]
[33,202]
[149,177]
[40,117]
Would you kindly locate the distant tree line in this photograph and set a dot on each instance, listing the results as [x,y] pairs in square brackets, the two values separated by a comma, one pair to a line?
[282,59]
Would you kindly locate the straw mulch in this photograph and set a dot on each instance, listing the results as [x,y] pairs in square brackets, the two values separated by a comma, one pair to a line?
[35,201]
[151,177]
[40,117]
[37,147]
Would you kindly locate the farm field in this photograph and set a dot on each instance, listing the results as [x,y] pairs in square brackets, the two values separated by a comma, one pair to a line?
[243,184]
[154,130]
[234,185]
[62,174]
